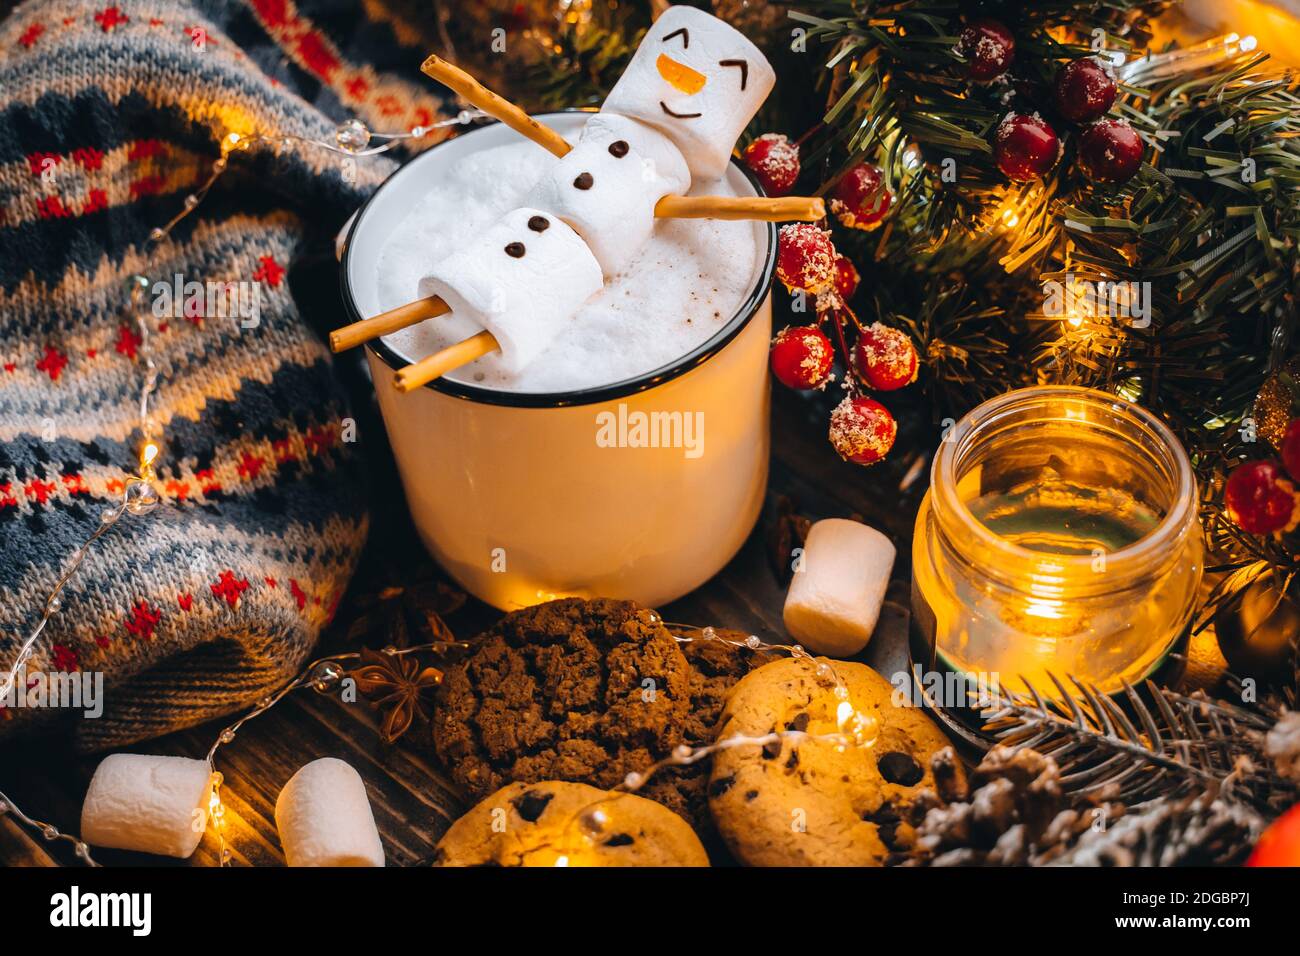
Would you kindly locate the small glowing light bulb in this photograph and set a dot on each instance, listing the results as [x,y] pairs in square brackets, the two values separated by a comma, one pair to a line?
[561,861]
[1010,218]
[843,712]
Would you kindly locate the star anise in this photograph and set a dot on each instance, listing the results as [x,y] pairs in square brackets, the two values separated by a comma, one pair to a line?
[397,684]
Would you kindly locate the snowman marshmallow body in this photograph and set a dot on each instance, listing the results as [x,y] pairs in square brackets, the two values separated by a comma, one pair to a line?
[522,279]
[607,186]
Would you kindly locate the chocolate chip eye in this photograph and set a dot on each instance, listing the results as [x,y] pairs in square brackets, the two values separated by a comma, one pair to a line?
[539,223]
[583,181]
[618,149]
[515,250]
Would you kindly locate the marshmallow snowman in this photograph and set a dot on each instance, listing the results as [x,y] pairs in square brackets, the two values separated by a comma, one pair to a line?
[521,279]
[699,81]
[607,186]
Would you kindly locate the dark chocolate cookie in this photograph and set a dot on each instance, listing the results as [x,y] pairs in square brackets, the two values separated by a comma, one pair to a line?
[586,691]
[569,690]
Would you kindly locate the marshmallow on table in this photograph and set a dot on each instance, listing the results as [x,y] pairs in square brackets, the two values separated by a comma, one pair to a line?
[324,819]
[522,279]
[835,597]
[151,804]
[607,186]
[699,81]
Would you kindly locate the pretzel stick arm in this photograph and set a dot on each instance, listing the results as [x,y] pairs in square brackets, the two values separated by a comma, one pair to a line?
[784,209]
[478,95]
[448,360]
[399,318]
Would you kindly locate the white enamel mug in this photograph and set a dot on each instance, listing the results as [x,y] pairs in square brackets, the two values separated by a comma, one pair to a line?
[525,497]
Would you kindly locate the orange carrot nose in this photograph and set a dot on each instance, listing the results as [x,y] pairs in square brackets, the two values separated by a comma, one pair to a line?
[680,76]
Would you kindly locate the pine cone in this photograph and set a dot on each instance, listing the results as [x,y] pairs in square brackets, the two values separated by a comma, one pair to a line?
[1187,831]
[1015,814]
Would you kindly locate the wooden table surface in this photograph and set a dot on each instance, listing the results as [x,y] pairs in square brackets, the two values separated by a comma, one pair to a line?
[414,801]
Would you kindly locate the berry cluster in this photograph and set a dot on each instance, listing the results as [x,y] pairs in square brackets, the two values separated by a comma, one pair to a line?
[803,356]
[1025,145]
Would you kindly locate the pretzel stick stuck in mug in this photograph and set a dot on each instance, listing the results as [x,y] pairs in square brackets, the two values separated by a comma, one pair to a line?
[448,360]
[498,107]
[350,336]
[784,209]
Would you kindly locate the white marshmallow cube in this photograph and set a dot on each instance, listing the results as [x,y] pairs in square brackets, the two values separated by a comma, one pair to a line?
[324,819]
[606,187]
[150,804]
[522,279]
[700,81]
[835,597]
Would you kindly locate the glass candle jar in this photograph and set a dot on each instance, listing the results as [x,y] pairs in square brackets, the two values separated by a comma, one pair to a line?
[1060,534]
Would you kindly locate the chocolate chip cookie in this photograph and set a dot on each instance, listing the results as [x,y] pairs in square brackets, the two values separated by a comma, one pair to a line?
[556,823]
[803,803]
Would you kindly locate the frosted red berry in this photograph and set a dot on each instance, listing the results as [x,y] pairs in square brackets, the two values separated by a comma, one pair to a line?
[886,358]
[861,197]
[1291,448]
[1085,90]
[805,258]
[846,277]
[989,47]
[1025,147]
[775,161]
[862,430]
[802,356]
[1110,151]
[1259,498]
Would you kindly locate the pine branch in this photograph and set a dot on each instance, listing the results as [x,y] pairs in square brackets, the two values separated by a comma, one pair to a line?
[1167,744]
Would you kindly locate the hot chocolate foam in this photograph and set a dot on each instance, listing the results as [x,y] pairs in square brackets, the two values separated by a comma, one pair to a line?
[686,284]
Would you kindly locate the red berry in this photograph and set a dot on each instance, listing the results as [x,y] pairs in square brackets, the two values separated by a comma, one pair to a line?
[1260,500]
[1291,448]
[1110,151]
[1025,147]
[1084,90]
[886,358]
[847,278]
[802,357]
[862,430]
[988,47]
[861,198]
[775,161]
[805,258]
[1280,844]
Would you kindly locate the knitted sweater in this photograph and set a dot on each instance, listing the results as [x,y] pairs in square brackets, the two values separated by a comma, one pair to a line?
[110,114]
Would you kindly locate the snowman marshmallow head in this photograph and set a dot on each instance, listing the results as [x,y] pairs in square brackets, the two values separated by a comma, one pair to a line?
[699,81]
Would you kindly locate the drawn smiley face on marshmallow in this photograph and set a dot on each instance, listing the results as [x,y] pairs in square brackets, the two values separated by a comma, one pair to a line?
[699,81]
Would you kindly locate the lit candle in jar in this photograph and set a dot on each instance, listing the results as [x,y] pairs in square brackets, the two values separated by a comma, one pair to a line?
[1059,534]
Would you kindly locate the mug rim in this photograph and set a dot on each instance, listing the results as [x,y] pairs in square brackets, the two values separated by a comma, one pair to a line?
[748,308]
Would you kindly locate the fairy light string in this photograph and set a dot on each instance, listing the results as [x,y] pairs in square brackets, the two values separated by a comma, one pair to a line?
[139,495]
